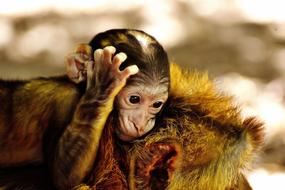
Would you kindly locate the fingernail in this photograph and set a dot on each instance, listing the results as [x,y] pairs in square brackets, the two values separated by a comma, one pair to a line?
[134,68]
[98,52]
[112,49]
[124,56]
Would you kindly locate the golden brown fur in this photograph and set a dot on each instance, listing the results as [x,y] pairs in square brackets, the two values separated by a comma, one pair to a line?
[216,143]
[200,142]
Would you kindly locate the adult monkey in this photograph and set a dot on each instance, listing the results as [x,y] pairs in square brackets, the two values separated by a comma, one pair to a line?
[61,123]
[201,142]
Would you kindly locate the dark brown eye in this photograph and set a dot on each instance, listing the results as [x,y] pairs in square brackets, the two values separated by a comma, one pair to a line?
[134,99]
[157,104]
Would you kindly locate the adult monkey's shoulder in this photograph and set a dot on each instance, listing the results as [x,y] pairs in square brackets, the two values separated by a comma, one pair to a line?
[202,138]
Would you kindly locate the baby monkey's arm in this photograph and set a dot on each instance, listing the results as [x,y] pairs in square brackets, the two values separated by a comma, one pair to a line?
[77,148]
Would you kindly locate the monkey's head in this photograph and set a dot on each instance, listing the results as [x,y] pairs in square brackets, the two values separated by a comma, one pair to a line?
[145,93]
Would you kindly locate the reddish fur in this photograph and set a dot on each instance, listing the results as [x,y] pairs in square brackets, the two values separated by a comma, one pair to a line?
[107,174]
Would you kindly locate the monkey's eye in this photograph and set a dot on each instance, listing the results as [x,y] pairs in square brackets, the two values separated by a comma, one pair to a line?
[157,104]
[134,99]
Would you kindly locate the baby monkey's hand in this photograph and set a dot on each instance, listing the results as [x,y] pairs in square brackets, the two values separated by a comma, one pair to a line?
[104,75]
[101,70]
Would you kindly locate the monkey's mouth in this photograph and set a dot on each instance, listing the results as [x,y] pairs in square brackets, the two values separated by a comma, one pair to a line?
[135,127]
[127,130]
[126,133]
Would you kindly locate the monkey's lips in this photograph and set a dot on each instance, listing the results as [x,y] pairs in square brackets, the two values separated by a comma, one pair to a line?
[127,130]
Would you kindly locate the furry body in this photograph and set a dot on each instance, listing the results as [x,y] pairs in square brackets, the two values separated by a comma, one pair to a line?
[217,145]
[200,142]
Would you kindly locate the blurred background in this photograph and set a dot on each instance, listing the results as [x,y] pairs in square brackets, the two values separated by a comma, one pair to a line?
[240,43]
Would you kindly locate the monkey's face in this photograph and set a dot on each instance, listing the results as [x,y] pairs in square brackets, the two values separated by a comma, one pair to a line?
[137,108]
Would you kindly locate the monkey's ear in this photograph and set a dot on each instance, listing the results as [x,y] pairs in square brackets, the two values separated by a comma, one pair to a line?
[153,168]
[76,62]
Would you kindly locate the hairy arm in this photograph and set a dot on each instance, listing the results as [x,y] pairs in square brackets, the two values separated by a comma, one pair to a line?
[77,148]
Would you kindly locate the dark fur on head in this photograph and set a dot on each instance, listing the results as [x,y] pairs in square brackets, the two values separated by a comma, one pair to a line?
[142,50]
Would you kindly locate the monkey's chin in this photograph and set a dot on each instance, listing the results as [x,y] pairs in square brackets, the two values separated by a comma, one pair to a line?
[123,137]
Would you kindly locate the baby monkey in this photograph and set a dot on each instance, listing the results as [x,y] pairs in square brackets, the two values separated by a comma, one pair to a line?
[122,74]
[137,104]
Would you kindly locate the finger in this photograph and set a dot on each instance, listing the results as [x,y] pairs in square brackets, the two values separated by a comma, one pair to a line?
[108,53]
[130,70]
[119,59]
[83,49]
[98,56]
